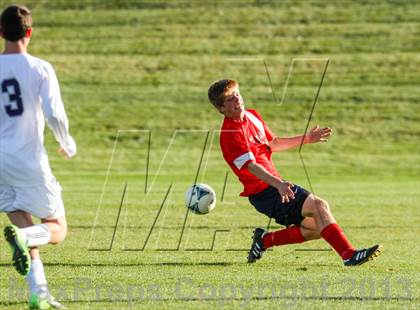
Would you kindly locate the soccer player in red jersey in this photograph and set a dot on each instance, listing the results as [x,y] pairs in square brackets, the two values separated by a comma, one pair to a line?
[247,144]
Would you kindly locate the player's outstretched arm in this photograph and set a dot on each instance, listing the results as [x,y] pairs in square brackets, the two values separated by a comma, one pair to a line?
[316,134]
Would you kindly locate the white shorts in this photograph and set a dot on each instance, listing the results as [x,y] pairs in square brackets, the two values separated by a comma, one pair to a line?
[42,201]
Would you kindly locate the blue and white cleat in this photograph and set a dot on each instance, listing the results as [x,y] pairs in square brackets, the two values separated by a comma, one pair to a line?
[257,247]
[363,255]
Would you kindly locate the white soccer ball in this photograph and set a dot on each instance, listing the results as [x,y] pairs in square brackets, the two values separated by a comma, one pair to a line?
[200,198]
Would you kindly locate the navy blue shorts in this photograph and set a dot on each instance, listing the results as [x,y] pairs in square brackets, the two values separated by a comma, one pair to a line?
[269,203]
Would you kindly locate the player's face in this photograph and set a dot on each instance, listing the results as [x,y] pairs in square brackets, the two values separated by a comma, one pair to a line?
[233,107]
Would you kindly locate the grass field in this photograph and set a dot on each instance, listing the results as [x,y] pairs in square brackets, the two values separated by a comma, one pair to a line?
[130,68]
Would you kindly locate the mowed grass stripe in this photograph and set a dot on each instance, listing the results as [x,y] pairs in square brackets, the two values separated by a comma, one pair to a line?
[375,69]
[236,46]
[266,31]
[302,12]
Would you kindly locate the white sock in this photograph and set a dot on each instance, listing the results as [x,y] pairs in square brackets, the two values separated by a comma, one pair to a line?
[36,278]
[36,235]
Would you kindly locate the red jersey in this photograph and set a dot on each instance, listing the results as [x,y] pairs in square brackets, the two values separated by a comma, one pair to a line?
[246,141]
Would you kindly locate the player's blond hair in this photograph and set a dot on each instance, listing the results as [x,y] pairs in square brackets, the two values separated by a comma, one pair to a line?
[218,91]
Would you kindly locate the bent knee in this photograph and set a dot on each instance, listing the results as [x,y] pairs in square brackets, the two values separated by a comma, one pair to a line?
[314,205]
[62,234]
[58,238]
[58,232]
[321,204]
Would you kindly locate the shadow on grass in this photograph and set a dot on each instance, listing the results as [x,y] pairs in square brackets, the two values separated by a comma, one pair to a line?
[175,264]
[256,298]
[132,264]
[274,227]
[148,227]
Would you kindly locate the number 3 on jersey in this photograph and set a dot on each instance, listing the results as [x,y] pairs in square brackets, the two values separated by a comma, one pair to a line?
[11,87]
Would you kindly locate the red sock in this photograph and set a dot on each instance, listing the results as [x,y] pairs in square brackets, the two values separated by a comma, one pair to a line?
[336,238]
[285,236]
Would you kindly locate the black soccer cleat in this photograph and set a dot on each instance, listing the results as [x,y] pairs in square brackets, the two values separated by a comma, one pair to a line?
[20,252]
[257,247]
[363,255]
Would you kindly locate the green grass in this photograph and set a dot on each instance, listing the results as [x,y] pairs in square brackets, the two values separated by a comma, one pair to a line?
[146,65]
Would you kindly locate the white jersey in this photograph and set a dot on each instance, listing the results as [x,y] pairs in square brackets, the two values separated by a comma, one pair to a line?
[29,93]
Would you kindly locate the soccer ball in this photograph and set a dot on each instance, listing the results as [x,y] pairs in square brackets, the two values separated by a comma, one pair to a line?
[200,198]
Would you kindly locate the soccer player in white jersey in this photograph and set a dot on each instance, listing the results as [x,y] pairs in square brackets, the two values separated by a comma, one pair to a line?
[29,95]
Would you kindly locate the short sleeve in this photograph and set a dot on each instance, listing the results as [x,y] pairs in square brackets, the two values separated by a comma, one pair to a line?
[235,148]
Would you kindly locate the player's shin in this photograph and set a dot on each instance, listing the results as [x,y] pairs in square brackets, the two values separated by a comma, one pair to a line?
[36,279]
[334,235]
[285,236]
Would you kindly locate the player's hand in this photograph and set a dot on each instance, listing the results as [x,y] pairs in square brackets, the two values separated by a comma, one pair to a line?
[318,134]
[62,152]
[286,192]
